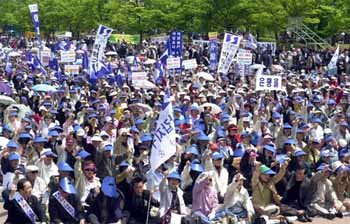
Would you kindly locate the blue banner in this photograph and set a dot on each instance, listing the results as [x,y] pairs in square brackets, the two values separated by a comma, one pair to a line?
[175,46]
[34,11]
[213,55]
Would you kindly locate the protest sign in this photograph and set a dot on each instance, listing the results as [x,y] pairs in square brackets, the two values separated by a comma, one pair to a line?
[213,35]
[45,57]
[99,46]
[190,64]
[213,57]
[140,80]
[268,46]
[244,57]
[229,48]
[159,39]
[67,56]
[268,82]
[173,62]
[130,39]
[71,69]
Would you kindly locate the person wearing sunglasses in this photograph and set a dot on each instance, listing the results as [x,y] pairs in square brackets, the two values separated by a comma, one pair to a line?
[40,189]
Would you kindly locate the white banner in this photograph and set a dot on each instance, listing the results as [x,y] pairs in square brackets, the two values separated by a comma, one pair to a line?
[189,64]
[45,56]
[159,39]
[244,57]
[164,140]
[332,66]
[268,82]
[229,48]
[173,62]
[268,46]
[67,56]
[99,46]
[71,69]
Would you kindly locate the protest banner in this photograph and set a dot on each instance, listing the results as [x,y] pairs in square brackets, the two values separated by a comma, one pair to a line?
[268,46]
[45,56]
[67,56]
[159,39]
[34,11]
[99,46]
[213,35]
[332,65]
[213,57]
[71,69]
[244,57]
[173,62]
[229,48]
[268,82]
[190,64]
[140,80]
[128,38]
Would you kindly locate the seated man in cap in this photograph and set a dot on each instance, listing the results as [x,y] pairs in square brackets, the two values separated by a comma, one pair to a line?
[341,183]
[40,189]
[107,208]
[171,198]
[265,197]
[324,200]
[64,205]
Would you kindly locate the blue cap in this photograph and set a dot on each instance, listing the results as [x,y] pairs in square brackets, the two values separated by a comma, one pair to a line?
[299,153]
[67,185]
[325,153]
[24,135]
[197,167]
[26,119]
[6,128]
[53,133]
[287,126]
[276,115]
[270,148]
[83,154]
[299,99]
[193,150]
[344,123]
[174,175]
[124,164]
[109,187]
[12,144]
[92,116]
[194,107]
[108,147]
[203,137]
[310,105]
[95,101]
[40,139]
[176,109]
[331,102]
[146,138]
[290,141]
[317,120]
[53,111]
[217,155]
[263,121]
[266,170]
[134,129]
[344,152]
[329,138]
[139,121]
[14,156]
[49,153]
[65,167]
[322,166]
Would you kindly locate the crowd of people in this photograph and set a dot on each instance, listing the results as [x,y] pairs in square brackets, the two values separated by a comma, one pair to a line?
[80,153]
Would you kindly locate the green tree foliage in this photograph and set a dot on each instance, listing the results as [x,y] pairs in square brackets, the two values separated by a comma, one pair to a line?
[327,17]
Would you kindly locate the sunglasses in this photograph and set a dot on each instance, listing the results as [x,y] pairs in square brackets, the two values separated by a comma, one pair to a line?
[34,172]
[90,170]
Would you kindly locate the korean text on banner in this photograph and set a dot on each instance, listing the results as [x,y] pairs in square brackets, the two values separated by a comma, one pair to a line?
[67,56]
[140,80]
[164,140]
[244,57]
[99,46]
[173,62]
[71,69]
[45,57]
[268,46]
[213,57]
[34,11]
[229,48]
[268,82]
[190,64]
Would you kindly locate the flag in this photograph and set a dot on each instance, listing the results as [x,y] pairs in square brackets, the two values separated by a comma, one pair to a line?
[85,62]
[230,46]
[119,78]
[213,54]
[252,42]
[332,66]
[37,65]
[164,57]
[34,11]
[164,140]
[53,64]
[62,46]
[104,70]
[159,76]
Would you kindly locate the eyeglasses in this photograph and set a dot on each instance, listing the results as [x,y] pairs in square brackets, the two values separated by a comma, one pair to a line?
[34,172]
[90,170]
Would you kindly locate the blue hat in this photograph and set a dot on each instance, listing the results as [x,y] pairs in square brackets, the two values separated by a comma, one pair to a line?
[65,167]
[266,170]
[112,112]
[176,109]
[24,135]
[6,128]
[95,101]
[290,141]
[108,147]
[101,107]
[344,152]
[83,154]
[300,131]
[53,111]
[197,167]
[287,126]
[53,133]
[146,138]
[13,113]
[58,128]
[344,123]
[92,116]
[317,120]
[299,99]
[12,144]
[331,102]
[195,107]
[270,148]
[139,121]
[276,115]
[40,139]
[28,127]
[14,156]
[325,153]
[310,105]
[124,164]
[217,155]
[67,185]
[109,187]
[174,175]
[134,129]
[193,150]
[263,121]
[329,138]
[238,152]
[203,137]
[299,153]
[322,166]
[26,119]
[48,152]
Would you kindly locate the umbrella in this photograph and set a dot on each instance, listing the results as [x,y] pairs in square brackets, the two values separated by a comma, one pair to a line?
[14,54]
[257,66]
[6,100]
[111,53]
[205,75]
[44,88]
[215,109]
[3,142]
[4,88]
[141,106]
[149,61]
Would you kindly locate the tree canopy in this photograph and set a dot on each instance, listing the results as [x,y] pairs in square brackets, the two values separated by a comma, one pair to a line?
[265,17]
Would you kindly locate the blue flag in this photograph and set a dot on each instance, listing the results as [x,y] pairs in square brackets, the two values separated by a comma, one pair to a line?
[85,62]
[119,78]
[159,76]
[62,46]
[213,57]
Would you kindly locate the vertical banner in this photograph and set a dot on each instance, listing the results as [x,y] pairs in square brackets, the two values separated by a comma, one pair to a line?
[34,11]
[213,57]
[332,66]
[230,46]
[100,43]
[175,45]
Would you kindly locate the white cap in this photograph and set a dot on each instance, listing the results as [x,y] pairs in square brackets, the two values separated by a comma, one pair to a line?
[104,133]
[31,168]
[80,132]
[96,138]
[342,142]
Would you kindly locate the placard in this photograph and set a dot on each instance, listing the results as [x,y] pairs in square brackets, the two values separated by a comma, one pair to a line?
[268,46]
[244,57]
[213,35]
[71,69]
[45,56]
[173,62]
[67,56]
[268,82]
[190,64]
